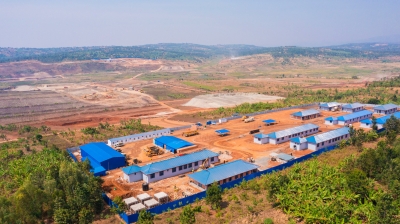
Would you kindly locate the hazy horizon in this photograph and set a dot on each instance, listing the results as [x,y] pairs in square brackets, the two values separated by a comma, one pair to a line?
[43,24]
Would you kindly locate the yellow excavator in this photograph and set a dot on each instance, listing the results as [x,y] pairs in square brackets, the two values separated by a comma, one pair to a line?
[189,133]
[203,166]
[153,151]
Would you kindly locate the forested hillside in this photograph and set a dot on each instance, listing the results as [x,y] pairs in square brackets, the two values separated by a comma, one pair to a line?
[191,52]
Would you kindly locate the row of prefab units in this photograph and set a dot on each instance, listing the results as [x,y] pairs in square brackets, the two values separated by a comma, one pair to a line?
[298,142]
[197,163]
[354,107]
[145,201]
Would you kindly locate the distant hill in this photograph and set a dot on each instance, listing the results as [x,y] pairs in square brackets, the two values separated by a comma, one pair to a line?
[194,52]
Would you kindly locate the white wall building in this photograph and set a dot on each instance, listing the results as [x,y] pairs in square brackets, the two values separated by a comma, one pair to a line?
[353,107]
[138,137]
[331,121]
[385,109]
[327,139]
[261,138]
[298,143]
[354,117]
[285,135]
[170,167]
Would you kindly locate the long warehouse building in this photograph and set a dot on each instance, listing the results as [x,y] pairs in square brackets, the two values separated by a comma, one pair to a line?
[327,139]
[171,167]
[285,135]
[367,123]
[354,117]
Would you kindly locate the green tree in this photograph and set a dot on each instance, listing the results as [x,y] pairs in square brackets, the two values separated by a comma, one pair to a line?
[119,205]
[358,182]
[385,210]
[374,126]
[214,196]
[187,216]
[145,217]
[38,137]
[392,124]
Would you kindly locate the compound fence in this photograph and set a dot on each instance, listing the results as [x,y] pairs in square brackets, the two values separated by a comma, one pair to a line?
[191,199]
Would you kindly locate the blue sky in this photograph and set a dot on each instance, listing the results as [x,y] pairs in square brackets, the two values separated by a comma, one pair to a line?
[59,23]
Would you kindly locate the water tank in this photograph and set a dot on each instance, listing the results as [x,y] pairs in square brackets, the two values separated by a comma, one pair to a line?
[145,186]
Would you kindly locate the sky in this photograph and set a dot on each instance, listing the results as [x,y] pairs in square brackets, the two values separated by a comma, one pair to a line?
[74,23]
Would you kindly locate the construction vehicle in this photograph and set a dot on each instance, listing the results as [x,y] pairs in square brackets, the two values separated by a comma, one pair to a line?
[245,117]
[203,166]
[189,133]
[250,119]
[153,151]
[119,144]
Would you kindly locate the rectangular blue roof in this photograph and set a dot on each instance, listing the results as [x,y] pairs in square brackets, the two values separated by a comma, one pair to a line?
[382,120]
[330,104]
[132,169]
[269,121]
[366,121]
[260,135]
[331,119]
[291,131]
[222,131]
[328,135]
[352,105]
[96,167]
[354,115]
[100,151]
[221,172]
[386,107]
[173,142]
[306,113]
[298,140]
[177,161]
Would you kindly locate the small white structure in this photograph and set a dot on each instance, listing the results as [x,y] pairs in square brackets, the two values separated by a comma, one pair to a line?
[327,139]
[137,137]
[367,123]
[353,107]
[261,138]
[332,106]
[331,121]
[143,197]
[385,109]
[130,201]
[285,135]
[223,120]
[136,208]
[132,173]
[161,197]
[298,143]
[151,203]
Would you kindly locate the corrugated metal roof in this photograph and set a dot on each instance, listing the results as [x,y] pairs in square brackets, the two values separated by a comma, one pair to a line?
[96,167]
[269,121]
[330,104]
[100,151]
[291,131]
[306,113]
[173,142]
[285,157]
[222,131]
[382,120]
[354,115]
[177,161]
[328,135]
[352,106]
[221,172]
[260,135]
[386,107]
[331,119]
[298,140]
[137,135]
[131,169]
[366,121]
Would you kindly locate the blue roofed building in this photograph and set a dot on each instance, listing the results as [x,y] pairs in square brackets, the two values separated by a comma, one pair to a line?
[385,109]
[285,135]
[298,143]
[353,107]
[332,106]
[331,120]
[222,132]
[330,138]
[354,117]
[261,138]
[222,174]
[171,143]
[170,167]
[306,114]
[367,123]
[100,154]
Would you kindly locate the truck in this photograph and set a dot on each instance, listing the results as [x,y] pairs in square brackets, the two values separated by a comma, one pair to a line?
[189,133]
[153,151]
[245,117]
[250,119]
[119,144]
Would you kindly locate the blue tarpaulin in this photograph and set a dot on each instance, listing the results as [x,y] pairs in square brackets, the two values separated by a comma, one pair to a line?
[222,131]
[269,121]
